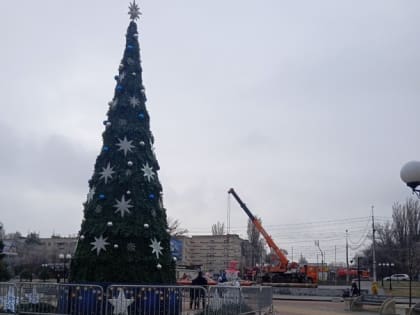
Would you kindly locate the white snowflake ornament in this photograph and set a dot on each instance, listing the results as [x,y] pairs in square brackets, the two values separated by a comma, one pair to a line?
[148,172]
[123,206]
[125,146]
[156,248]
[90,194]
[107,173]
[99,244]
[134,101]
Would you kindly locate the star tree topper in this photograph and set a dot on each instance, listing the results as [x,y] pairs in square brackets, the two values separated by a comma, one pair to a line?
[134,11]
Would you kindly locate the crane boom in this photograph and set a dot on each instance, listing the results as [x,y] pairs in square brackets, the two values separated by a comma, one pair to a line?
[282,258]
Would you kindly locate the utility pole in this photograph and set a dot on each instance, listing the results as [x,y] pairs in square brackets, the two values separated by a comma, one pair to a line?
[335,256]
[292,253]
[373,247]
[335,263]
[322,259]
[347,256]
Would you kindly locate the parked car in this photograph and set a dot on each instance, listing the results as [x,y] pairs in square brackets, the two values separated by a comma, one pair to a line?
[398,277]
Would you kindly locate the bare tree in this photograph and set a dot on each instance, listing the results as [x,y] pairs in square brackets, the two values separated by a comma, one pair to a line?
[405,226]
[302,260]
[174,226]
[218,228]
[397,242]
[257,244]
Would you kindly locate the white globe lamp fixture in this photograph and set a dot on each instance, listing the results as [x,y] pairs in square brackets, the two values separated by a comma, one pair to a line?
[410,174]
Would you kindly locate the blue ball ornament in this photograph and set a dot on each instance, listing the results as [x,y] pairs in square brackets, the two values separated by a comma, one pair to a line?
[130,46]
[141,116]
[151,196]
[106,148]
[101,196]
[119,87]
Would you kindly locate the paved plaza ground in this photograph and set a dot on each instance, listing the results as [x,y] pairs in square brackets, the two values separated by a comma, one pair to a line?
[283,307]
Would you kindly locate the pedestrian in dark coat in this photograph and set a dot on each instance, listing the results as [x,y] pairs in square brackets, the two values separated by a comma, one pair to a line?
[197,294]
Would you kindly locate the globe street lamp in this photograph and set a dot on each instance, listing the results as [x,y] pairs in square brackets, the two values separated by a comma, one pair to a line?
[64,258]
[410,174]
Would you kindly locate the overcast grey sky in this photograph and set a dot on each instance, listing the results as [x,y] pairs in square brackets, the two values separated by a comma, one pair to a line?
[307,108]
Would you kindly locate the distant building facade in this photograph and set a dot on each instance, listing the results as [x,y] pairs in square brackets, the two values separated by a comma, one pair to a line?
[212,252]
[31,252]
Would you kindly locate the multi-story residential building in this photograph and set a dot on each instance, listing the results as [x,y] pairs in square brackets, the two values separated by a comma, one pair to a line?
[54,246]
[35,250]
[212,252]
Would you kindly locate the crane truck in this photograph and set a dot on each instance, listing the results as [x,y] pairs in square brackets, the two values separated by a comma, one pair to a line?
[283,271]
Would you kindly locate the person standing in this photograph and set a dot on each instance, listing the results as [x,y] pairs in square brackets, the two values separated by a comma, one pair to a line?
[354,289]
[197,294]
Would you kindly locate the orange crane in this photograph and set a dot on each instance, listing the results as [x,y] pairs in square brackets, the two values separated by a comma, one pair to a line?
[283,271]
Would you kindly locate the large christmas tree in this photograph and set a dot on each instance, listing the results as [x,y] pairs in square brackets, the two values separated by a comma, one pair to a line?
[124,235]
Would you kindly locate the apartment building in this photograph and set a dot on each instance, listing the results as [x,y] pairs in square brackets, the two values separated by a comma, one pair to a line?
[212,252]
[54,246]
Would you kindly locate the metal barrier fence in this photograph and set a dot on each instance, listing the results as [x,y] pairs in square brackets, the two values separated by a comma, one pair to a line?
[240,300]
[51,298]
[8,298]
[155,300]
[79,299]
[257,300]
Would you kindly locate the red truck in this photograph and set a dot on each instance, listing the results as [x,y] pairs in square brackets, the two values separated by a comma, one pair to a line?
[352,272]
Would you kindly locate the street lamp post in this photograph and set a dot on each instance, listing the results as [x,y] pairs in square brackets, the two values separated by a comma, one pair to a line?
[358,273]
[410,175]
[45,272]
[389,267]
[64,258]
[322,259]
[381,265]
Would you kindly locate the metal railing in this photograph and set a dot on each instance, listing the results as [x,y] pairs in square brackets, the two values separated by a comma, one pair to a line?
[240,300]
[155,300]
[44,298]
[8,298]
